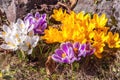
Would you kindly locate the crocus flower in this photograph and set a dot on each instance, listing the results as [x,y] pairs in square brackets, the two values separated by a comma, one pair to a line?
[82,50]
[6,31]
[12,37]
[23,27]
[29,43]
[100,20]
[59,15]
[38,21]
[17,35]
[79,50]
[89,49]
[99,47]
[113,40]
[10,43]
[65,54]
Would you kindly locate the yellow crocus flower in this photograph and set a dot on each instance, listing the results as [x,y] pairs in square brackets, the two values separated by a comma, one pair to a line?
[99,37]
[80,15]
[113,40]
[58,15]
[98,49]
[100,21]
[52,35]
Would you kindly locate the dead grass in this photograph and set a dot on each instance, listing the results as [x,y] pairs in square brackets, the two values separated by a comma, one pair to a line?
[90,68]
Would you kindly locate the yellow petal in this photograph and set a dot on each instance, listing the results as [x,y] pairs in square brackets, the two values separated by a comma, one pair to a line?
[1,75]
[98,55]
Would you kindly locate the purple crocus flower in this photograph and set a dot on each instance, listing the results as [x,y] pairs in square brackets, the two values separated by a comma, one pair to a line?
[38,21]
[68,52]
[82,49]
[65,54]
[79,50]
[89,49]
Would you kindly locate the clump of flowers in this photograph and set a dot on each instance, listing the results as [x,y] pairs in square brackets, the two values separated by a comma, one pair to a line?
[70,52]
[22,35]
[15,34]
[82,28]
[38,22]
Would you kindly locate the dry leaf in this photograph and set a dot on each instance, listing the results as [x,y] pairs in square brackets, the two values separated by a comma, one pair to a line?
[10,11]
[50,65]
[73,2]
[23,1]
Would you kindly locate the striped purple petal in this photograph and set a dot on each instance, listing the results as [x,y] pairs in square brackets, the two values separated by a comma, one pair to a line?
[66,60]
[29,15]
[37,15]
[64,47]
[76,45]
[57,58]
[83,47]
[59,52]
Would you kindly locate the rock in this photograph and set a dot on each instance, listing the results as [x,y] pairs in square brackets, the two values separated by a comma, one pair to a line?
[85,5]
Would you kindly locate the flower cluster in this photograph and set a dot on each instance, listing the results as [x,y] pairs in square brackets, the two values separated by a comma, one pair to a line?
[38,22]
[68,52]
[22,34]
[82,28]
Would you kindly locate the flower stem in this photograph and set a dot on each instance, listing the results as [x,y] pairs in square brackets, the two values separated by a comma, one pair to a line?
[21,54]
[71,69]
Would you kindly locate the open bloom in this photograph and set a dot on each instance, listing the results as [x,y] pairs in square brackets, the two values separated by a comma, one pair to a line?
[10,43]
[12,37]
[79,50]
[51,33]
[29,43]
[99,47]
[65,54]
[59,15]
[6,31]
[38,21]
[16,36]
[113,40]
[82,49]
[68,52]
[23,27]
[100,21]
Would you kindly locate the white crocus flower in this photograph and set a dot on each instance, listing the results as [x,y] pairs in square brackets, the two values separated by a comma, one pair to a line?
[30,43]
[10,43]
[8,36]
[13,35]
[6,31]
[23,27]
[19,36]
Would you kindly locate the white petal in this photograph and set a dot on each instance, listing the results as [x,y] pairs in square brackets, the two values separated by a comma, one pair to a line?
[31,28]
[35,40]
[9,39]
[19,21]
[6,29]
[13,26]
[28,39]
[30,51]
[5,46]
[1,34]
[27,23]
[24,47]
[20,24]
